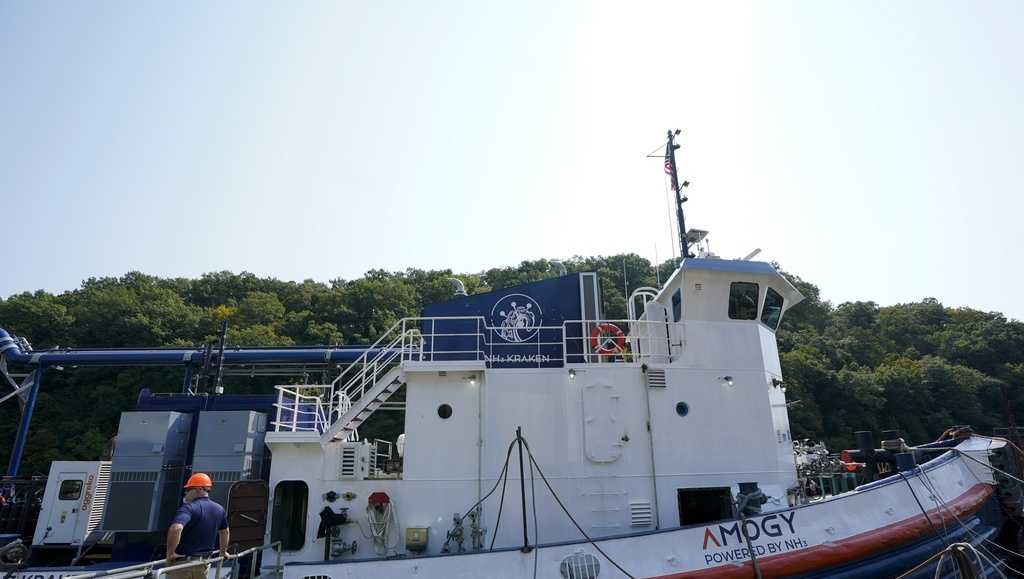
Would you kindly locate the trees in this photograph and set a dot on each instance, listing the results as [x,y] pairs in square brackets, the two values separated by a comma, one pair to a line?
[918,367]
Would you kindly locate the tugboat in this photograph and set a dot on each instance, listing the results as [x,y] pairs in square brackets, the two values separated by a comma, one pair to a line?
[539,439]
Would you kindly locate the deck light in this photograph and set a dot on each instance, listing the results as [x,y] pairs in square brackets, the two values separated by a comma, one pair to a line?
[727,381]
[572,373]
[472,380]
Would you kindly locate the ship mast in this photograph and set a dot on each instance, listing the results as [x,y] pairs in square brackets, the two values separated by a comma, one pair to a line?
[670,168]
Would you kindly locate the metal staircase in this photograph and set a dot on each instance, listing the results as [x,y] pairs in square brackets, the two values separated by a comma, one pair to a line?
[371,380]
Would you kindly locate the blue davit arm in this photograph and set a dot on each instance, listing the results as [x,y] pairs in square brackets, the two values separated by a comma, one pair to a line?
[16,351]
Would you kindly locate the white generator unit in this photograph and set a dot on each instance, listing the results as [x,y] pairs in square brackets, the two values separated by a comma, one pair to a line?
[76,494]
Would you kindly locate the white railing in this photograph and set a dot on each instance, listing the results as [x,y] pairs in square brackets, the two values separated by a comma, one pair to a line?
[399,343]
[314,408]
[573,342]
[157,569]
[381,452]
[641,342]
[303,407]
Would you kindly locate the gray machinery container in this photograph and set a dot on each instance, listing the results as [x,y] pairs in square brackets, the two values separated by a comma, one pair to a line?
[229,447]
[148,471]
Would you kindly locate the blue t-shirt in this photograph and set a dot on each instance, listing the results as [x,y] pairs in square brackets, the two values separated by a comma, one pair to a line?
[202,518]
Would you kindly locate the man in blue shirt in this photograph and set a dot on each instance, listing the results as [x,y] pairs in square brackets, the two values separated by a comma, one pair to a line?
[196,527]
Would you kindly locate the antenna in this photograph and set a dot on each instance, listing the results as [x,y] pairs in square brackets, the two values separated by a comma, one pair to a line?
[670,168]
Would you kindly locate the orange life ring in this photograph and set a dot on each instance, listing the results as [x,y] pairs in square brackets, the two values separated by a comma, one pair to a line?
[604,333]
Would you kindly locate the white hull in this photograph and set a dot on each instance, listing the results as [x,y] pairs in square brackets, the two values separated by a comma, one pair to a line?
[805,539]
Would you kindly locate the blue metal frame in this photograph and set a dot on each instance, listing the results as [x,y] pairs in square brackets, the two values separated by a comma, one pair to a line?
[188,359]
[26,419]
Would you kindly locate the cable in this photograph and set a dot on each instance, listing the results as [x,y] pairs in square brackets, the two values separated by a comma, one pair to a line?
[994,565]
[1003,439]
[671,230]
[504,468]
[920,506]
[932,488]
[940,501]
[501,503]
[536,527]
[986,465]
[924,563]
[983,559]
[568,514]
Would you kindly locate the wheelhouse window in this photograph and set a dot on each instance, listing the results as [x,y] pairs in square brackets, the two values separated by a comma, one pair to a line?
[743,300]
[772,309]
[677,305]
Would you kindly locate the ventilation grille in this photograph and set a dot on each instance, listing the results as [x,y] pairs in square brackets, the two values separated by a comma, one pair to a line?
[99,498]
[347,468]
[580,566]
[640,514]
[225,476]
[656,379]
[135,476]
[316,577]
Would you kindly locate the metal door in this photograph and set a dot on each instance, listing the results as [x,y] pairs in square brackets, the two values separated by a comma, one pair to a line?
[247,513]
[66,509]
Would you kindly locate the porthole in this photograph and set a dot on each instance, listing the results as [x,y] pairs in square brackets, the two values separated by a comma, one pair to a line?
[444,411]
[682,409]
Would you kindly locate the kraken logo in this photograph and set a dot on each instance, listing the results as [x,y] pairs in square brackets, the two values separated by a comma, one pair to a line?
[516,318]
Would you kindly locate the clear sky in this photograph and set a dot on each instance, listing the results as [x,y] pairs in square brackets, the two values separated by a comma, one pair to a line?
[873,148]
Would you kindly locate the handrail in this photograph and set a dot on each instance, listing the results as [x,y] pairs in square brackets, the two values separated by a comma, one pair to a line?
[150,567]
[369,371]
[295,405]
[470,338]
[376,345]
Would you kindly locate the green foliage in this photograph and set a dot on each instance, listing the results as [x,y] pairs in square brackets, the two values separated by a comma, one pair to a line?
[918,367]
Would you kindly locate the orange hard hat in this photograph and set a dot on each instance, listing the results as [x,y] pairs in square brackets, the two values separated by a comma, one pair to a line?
[199,479]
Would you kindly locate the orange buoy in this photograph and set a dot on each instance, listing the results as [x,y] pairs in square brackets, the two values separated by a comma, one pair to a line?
[607,339]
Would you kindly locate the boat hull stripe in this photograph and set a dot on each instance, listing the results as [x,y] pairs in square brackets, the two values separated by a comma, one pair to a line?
[850,549]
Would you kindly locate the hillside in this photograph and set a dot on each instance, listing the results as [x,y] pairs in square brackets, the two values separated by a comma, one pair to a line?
[919,367]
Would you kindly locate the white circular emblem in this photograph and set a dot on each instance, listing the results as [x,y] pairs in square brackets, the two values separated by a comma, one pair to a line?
[516,318]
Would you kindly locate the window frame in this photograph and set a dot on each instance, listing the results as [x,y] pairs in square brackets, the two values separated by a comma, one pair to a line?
[677,305]
[757,300]
[285,530]
[62,492]
[764,308]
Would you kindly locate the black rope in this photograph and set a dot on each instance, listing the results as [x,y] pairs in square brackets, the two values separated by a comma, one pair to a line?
[536,529]
[501,503]
[568,514]
[504,471]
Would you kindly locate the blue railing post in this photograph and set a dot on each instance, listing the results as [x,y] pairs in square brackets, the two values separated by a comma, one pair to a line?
[26,419]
